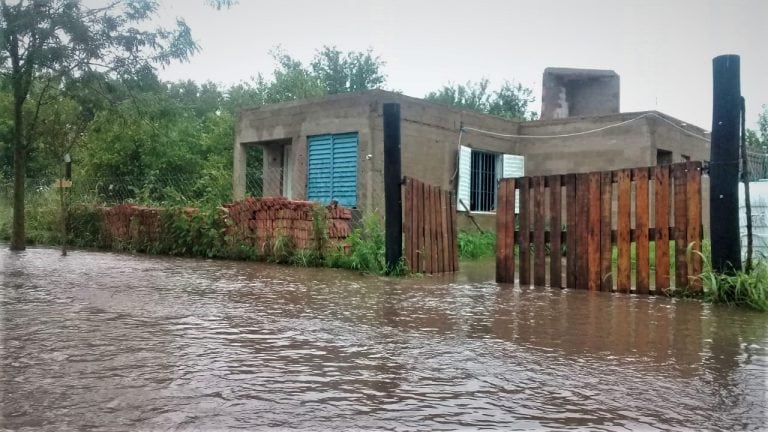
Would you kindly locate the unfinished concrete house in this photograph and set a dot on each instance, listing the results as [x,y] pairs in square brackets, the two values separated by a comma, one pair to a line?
[332,148]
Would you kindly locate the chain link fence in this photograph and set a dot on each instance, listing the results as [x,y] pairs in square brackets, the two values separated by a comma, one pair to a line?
[44,198]
[757,165]
[158,190]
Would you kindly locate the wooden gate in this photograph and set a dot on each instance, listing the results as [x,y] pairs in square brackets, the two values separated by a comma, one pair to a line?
[603,210]
[429,228]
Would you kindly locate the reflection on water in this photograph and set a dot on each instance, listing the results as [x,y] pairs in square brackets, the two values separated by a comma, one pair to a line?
[114,342]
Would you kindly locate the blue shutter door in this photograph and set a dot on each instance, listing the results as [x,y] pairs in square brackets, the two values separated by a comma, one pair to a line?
[344,182]
[332,169]
[320,166]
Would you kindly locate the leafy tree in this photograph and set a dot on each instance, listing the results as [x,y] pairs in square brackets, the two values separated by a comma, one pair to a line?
[340,72]
[759,138]
[291,81]
[330,72]
[53,41]
[510,101]
[154,141]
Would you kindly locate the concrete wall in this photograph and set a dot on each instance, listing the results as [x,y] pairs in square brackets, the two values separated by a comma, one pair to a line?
[683,141]
[430,135]
[614,148]
[430,139]
[291,123]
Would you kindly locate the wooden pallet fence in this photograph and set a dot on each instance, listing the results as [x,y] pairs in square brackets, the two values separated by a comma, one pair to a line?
[611,217]
[429,228]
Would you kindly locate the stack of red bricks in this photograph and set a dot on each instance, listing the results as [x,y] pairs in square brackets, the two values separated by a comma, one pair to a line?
[128,222]
[257,222]
[260,221]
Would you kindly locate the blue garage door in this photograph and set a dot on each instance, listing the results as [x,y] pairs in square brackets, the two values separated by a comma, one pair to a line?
[332,171]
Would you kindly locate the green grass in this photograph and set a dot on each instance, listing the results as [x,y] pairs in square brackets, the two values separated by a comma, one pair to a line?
[474,245]
[43,217]
[741,288]
[5,218]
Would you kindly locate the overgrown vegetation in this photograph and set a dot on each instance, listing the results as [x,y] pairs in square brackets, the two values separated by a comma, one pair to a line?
[474,244]
[740,288]
[204,233]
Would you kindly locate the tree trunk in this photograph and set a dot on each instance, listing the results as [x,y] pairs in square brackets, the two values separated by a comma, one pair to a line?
[18,237]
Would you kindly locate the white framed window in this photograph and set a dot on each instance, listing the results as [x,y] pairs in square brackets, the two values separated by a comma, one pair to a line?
[479,172]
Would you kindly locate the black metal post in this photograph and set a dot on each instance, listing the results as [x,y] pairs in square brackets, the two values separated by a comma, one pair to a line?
[724,165]
[393,218]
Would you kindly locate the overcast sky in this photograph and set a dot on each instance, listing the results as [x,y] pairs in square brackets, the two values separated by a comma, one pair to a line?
[662,49]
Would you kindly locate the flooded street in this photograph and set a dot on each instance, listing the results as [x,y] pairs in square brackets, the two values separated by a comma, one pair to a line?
[105,341]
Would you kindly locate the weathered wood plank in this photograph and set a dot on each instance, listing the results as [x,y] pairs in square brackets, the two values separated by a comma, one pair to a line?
[510,239]
[642,265]
[555,216]
[693,196]
[570,240]
[501,232]
[454,233]
[448,259]
[582,231]
[427,230]
[623,223]
[681,225]
[439,213]
[539,218]
[408,225]
[661,222]
[434,210]
[525,239]
[606,245]
[593,231]
[420,246]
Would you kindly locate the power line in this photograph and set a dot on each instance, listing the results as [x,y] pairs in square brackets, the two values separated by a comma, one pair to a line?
[503,135]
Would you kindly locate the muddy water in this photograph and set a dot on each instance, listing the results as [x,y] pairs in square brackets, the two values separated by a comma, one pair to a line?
[115,342]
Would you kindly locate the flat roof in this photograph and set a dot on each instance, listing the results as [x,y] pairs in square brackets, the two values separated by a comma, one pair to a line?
[368,95]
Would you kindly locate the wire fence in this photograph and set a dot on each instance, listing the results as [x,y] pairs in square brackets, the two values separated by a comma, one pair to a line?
[157,190]
[757,165]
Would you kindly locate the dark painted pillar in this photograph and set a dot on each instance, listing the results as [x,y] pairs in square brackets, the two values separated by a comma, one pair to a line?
[393,218]
[724,165]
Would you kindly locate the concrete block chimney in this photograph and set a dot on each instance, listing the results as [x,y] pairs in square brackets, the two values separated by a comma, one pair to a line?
[568,92]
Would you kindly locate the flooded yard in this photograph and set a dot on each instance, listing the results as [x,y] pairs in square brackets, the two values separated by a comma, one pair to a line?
[104,341]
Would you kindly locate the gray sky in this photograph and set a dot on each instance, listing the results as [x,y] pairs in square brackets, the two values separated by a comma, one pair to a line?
[662,49]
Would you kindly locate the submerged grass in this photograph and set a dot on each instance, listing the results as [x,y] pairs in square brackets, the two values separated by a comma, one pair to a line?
[739,288]
[202,234]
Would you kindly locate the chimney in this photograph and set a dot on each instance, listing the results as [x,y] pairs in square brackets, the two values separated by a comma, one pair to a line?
[568,92]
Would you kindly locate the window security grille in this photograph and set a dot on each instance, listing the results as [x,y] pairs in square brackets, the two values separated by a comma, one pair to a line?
[483,176]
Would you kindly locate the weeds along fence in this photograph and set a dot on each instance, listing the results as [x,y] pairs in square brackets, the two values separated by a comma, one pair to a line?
[182,216]
[169,189]
[43,199]
[274,228]
[596,221]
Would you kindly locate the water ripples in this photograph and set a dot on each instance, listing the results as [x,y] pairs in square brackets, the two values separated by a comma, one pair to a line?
[112,342]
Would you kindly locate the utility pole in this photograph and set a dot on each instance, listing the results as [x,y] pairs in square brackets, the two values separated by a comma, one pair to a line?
[724,165]
[393,218]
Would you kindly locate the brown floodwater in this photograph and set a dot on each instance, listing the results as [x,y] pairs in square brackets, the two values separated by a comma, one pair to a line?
[102,341]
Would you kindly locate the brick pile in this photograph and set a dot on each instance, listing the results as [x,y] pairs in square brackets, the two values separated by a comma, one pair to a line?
[259,221]
[132,223]
[256,222]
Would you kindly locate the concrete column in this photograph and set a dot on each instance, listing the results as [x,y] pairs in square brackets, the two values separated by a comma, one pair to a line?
[238,171]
